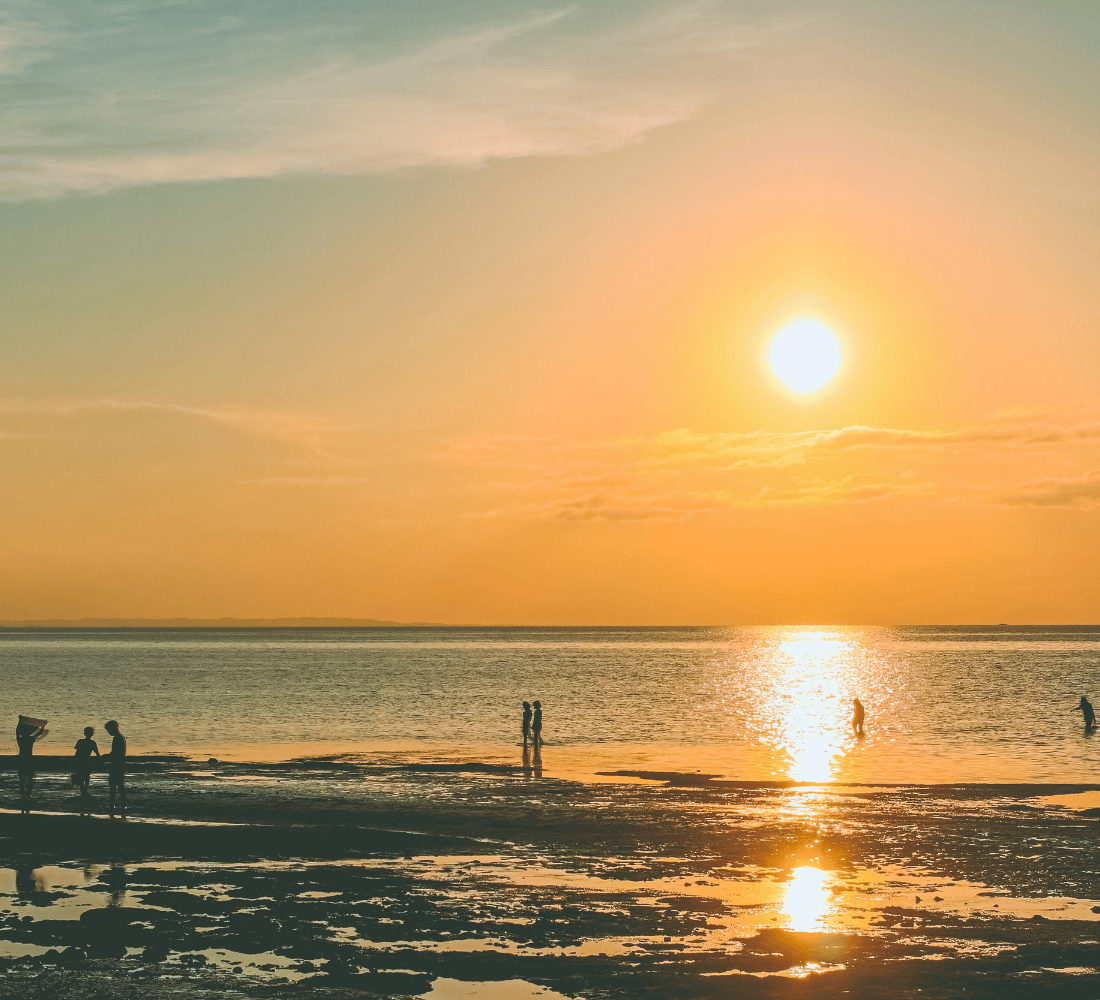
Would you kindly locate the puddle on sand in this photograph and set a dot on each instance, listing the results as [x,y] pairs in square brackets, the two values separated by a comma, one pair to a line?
[1078,800]
[265,964]
[509,989]
[728,906]
[803,898]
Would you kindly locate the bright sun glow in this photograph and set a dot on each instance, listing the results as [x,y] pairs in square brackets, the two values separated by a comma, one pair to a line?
[804,355]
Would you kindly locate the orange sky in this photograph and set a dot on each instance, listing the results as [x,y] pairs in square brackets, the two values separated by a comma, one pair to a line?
[476,331]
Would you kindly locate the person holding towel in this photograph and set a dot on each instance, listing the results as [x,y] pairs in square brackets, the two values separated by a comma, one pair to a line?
[26,732]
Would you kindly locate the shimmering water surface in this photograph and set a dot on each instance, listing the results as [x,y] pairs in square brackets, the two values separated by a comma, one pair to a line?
[943,704]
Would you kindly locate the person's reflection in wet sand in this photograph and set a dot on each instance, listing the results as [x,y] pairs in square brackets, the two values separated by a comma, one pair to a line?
[526,761]
[538,759]
[115,879]
[29,884]
[1086,709]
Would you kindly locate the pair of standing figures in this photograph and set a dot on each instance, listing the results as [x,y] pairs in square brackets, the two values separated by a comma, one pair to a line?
[532,723]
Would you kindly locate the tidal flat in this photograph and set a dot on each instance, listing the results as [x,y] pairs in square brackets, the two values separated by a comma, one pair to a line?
[349,877]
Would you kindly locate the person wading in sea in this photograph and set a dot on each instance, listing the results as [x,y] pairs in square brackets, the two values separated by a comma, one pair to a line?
[84,750]
[26,732]
[526,721]
[536,724]
[1086,708]
[116,766]
[857,717]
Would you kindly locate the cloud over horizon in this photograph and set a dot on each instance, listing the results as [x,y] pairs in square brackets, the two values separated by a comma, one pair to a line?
[671,475]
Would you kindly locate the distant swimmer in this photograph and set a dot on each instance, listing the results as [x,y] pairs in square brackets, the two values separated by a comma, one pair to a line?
[84,750]
[857,717]
[26,732]
[116,766]
[536,725]
[526,721]
[1085,708]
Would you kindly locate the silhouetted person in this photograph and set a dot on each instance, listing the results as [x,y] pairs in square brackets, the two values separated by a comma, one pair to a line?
[25,735]
[536,724]
[857,716]
[1090,716]
[84,750]
[526,721]
[116,766]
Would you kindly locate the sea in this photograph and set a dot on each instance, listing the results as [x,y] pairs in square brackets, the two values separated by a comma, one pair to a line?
[944,705]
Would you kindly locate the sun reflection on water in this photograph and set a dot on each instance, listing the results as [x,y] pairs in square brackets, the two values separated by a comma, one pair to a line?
[807,711]
[808,899]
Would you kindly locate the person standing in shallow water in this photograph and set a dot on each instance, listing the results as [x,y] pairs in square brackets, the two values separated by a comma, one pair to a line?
[25,735]
[1085,707]
[116,766]
[536,724]
[526,721]
[857,716]
[84,750]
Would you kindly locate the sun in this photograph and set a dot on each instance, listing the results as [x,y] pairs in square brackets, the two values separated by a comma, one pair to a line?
[805,356]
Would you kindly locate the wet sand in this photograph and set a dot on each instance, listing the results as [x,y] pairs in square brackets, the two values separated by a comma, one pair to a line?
[464,879]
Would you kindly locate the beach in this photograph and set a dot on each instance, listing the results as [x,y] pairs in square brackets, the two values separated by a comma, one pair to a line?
[447,879]
[351,812]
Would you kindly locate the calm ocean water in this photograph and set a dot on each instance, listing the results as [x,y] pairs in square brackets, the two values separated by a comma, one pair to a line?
[943,704]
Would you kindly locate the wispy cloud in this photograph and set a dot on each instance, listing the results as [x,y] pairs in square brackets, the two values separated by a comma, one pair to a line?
[853,488]
[629,478]
[671,450]
[96,96]
[1083,491]
[628,507]
[312,432]
[1021,459]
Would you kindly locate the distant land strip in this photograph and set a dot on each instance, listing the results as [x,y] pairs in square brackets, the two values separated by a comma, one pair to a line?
[208,623]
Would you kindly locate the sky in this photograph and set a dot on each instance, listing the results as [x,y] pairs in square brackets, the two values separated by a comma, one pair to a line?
[459,312]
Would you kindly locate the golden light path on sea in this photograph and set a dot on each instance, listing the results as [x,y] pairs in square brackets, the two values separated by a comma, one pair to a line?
[814,674]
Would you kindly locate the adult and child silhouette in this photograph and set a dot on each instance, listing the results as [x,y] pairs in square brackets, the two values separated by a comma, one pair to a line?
[532,731]
[532,724]
[28,730]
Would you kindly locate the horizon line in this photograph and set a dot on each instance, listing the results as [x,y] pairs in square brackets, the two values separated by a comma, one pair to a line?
[304,621]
